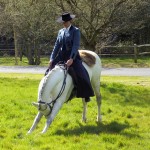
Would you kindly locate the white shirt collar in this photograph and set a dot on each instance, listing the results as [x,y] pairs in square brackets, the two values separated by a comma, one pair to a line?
[67,29]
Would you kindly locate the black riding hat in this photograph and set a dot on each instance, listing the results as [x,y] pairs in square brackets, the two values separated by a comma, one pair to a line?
[65,17]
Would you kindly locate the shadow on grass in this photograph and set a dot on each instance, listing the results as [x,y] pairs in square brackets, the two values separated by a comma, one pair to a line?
[113,127]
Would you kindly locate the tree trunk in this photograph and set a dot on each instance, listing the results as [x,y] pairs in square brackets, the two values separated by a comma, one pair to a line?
[33,54]
[36,53]
[15,43]
[90,46]
[20,44]
[30,54]
[38,61]
[87,44]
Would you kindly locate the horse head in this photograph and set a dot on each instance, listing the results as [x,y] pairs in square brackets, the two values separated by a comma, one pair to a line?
[44,108]
[51,88]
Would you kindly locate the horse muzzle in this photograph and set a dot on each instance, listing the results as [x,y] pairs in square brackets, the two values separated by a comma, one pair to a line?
[44,108]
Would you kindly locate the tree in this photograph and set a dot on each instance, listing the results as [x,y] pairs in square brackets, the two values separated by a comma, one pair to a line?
[32,22]
[98,19]
[94,17]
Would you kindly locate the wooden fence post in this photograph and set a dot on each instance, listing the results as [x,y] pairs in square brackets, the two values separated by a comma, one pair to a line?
[135,53]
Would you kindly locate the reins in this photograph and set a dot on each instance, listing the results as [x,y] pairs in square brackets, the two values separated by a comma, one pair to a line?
[64,67]
[64,82]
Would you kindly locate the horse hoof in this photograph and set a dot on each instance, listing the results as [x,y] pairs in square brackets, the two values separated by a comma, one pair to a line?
[43,132]
[29,132]
[99,119]
[84,120]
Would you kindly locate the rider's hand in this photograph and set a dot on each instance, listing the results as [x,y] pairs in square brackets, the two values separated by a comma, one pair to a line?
[69,62]
[50,64]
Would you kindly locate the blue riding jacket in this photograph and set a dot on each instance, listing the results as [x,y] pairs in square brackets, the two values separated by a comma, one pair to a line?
[67,43]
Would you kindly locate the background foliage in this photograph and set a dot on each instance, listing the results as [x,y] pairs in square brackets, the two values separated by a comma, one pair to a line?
[31,23]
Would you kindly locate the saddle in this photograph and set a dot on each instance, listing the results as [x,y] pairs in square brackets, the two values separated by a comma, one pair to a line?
[70,71]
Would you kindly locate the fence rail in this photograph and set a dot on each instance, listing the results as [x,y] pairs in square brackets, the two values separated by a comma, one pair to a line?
[135,48]
[134,52]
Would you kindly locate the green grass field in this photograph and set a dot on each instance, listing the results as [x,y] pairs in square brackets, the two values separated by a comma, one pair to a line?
[113,62]
[125,110]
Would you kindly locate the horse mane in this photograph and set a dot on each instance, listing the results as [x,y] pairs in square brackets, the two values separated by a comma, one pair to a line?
[88,58]
[45,78]
[42,87]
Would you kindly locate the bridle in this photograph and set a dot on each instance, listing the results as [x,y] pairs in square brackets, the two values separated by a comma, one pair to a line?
[65,68]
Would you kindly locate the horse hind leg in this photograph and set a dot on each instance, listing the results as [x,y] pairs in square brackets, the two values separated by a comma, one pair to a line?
[96,87]
[98,99]
[84,110]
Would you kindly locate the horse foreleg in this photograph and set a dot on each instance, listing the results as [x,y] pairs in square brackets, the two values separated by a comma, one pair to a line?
[36,121]
[84,110]
[51,117]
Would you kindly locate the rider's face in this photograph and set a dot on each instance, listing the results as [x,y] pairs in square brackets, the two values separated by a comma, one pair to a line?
[66,24]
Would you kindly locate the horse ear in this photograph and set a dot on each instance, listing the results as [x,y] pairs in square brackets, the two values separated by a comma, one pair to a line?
[35,104]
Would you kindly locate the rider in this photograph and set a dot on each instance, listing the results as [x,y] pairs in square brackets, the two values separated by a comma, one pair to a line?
[66,50]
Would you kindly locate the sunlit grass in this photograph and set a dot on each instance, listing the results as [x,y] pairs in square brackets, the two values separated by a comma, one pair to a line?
[125,110]
[136,81]
[116,62]
[10,61]
[21,76]
[111,62]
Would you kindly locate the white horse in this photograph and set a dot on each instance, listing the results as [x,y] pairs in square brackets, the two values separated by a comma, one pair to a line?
[49,103]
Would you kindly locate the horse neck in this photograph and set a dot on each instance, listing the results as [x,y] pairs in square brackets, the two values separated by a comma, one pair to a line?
[48,85]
